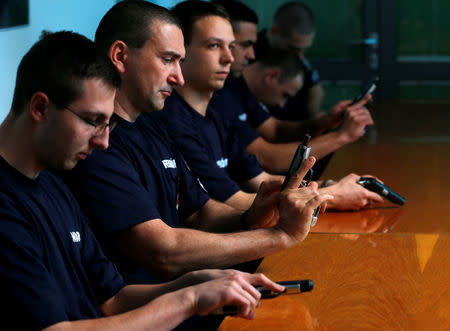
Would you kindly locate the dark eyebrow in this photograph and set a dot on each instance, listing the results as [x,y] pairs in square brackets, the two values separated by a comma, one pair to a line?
[172,53]
[93,113]
[217,40]
[247,42]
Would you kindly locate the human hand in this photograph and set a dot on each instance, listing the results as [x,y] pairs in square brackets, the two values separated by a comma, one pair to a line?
[263,212]
[204,275]
[298,204]
[237,289]
[349,195]
[338,113]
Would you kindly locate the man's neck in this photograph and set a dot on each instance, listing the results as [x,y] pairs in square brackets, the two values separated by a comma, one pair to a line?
[251,80]
[16,147]
[196,98]
[269,37]
[125,108]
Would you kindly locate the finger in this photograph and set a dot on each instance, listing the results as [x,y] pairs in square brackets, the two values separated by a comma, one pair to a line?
[250,290]
[246,302]
[270,186]
[262,280]
[319,200]
[297,178]
[314,187]
[324,207]
[375,197]
[378,179]
[342,104]
[363,118]
[362,102]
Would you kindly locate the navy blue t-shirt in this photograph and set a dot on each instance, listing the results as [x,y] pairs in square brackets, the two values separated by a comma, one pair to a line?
[296,107]
[140,177]
[235,103]
[52,269]
[210,146]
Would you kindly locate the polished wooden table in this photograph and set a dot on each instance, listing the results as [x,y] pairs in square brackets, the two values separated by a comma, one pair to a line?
[381,268]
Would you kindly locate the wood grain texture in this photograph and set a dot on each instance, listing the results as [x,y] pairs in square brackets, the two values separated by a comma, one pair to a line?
[368,281]
[384,268]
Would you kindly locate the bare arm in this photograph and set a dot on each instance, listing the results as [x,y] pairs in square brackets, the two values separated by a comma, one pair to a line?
[170,251]
[316,95]
[218,217]
[274,158]
[253,184]
[241,200]
[277,131]
[168,310]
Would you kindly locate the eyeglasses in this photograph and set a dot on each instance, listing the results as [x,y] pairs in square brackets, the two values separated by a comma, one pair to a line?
[99,127]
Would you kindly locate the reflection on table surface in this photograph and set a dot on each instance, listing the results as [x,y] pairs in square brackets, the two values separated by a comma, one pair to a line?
[380,219]
[418,172]
[382,268]
[362,281]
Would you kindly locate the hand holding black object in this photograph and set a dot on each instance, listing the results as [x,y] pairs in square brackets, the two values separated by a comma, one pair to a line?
[374,185]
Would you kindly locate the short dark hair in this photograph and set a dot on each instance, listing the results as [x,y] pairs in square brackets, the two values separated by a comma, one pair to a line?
[57,65]
[238,12]
[287,61]
[190,11]
[294,17]
[130,21]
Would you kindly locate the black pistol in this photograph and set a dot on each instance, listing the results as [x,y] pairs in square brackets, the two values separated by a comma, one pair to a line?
[374,185]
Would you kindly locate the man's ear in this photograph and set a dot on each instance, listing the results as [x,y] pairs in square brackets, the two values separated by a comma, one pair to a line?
[274,29]
[39,106]
[272,76]
[118,53]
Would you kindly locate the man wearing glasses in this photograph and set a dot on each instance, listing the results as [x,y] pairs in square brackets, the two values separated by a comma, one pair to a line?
[54,275]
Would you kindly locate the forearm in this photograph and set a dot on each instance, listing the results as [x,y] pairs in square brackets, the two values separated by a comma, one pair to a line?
[177,251]
[253,184]
[288,131]
[276,131]
[220,217]
[316,95]
[199,250]
[326,144]
[274,158]
[163,313]
[241,200]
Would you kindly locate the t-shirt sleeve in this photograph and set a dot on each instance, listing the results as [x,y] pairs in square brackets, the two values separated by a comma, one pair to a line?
[110,192]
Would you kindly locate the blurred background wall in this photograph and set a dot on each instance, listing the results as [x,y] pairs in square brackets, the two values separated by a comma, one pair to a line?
[404,42]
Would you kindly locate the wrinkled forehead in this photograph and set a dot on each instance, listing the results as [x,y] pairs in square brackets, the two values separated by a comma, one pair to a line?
[166,37]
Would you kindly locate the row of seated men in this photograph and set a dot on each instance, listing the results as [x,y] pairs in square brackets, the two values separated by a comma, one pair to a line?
[161,222]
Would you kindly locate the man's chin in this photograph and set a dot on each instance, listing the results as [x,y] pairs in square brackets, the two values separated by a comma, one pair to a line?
[218,85]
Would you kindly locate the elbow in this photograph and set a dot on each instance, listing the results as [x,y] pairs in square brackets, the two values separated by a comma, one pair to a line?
[154,246]
[269,166]
[165,264]
[271,163]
